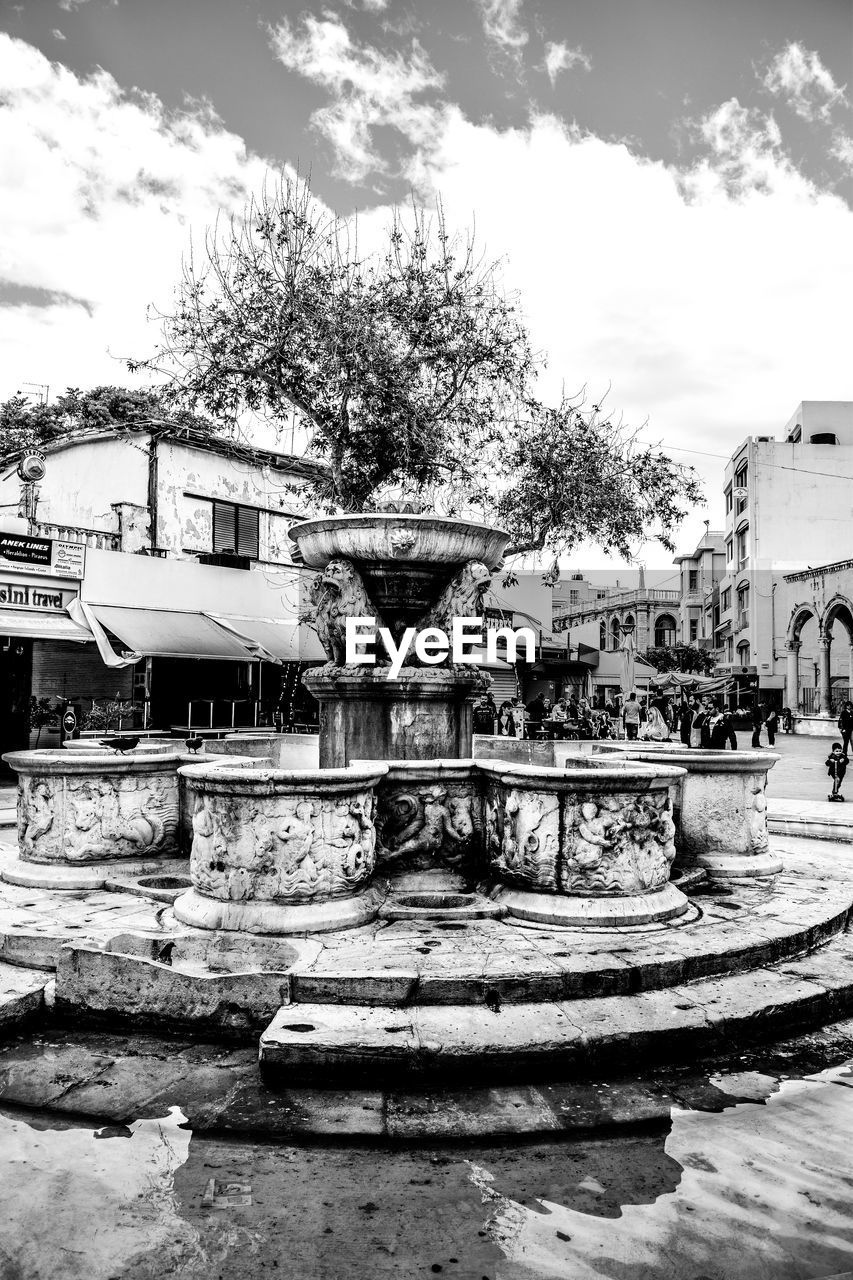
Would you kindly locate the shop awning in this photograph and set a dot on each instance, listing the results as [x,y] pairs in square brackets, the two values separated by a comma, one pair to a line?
[41,626]
[171,633]
[263,637]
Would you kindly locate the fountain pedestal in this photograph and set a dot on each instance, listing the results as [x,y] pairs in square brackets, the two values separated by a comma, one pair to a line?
[425,714]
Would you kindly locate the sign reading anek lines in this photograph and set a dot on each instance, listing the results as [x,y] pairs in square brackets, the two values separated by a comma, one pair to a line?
[432,645]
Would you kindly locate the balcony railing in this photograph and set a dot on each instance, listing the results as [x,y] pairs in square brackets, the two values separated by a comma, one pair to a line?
[99,539]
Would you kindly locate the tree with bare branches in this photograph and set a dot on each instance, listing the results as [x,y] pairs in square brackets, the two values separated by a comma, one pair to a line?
[409,367]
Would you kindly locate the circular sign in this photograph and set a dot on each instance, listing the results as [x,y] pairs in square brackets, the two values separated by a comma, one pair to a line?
[32,466]
[69,721]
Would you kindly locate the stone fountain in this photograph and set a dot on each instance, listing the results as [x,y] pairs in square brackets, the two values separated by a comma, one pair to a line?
[405,571]
[405,907]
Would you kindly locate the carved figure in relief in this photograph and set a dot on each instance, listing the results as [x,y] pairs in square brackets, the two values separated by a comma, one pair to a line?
[461,598]
[203,850]
[37,813]
[618,844]
[426,822]
[594,832]
[107,831]
[529,851]
[757,820]
[295,832]
[338,593]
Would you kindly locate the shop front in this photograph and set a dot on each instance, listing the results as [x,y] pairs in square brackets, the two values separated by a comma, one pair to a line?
[43,654]
[214,648]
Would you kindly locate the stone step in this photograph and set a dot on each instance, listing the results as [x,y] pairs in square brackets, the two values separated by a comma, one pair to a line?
[332,1044]
[811,819]
[22,995]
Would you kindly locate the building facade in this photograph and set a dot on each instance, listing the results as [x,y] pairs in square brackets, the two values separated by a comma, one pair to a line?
[179,551]
[787,502]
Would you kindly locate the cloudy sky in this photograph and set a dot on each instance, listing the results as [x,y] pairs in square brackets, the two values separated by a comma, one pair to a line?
[668,182]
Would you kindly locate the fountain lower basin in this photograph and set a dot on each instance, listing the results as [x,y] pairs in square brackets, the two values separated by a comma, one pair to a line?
[722,810]
[281,851]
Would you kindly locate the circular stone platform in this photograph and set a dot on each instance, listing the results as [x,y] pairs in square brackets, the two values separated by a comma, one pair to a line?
[573,912]
[505,1008]
[325,916]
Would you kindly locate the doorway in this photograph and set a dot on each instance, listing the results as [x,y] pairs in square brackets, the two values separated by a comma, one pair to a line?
[16,678]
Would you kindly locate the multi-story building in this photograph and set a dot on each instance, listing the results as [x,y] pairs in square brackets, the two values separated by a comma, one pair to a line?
[701,572]
[177,549]
[789,505]
[652,613]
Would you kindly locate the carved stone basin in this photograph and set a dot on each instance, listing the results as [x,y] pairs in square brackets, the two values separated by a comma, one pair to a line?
[281,850]
[583,845]
[404,560]
[722,811]
[89,807]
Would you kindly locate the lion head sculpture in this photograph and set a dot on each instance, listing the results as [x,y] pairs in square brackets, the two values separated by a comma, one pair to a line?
[338,593]
[461,598]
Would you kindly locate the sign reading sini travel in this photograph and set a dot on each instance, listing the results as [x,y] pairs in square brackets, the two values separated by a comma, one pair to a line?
[39,595]
[52,556]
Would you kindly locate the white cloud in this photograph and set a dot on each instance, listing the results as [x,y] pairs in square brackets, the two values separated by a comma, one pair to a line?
[368,90]
[842,149]
[98,194]
[799,76]
[744,153]
[711,298]
[502,25]
[711,301]
[561,57]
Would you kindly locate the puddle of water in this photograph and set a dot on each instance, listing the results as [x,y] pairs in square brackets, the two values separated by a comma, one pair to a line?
[82,1202]
[765,1193]
[760,1191]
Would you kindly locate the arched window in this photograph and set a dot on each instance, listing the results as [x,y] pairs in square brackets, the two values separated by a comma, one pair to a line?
[743,653]
[602,635]
[665,630]
[614,634]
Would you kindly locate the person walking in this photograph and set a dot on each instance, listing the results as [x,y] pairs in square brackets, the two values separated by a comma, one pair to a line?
[758,713]
[845,726]
[631,717]
[770,723]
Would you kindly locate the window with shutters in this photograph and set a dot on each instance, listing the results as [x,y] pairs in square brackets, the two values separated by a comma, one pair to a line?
[235,529]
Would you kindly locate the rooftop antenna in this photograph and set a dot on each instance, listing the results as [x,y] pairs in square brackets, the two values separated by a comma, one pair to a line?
[41,392]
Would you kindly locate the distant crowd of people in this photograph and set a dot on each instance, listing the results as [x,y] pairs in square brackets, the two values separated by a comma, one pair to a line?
[568,717]
[695,721]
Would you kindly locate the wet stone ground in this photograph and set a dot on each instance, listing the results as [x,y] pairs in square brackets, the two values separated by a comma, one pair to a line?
[746,1175]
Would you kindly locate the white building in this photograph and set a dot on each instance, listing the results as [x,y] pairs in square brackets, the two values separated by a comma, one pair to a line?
[179,548]
[789,506]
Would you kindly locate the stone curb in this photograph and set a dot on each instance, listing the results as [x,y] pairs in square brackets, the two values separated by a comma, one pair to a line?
[307,1042]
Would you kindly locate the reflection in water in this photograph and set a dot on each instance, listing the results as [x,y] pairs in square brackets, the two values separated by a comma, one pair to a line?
[761,1191]
[766,1191]
[79,1202]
